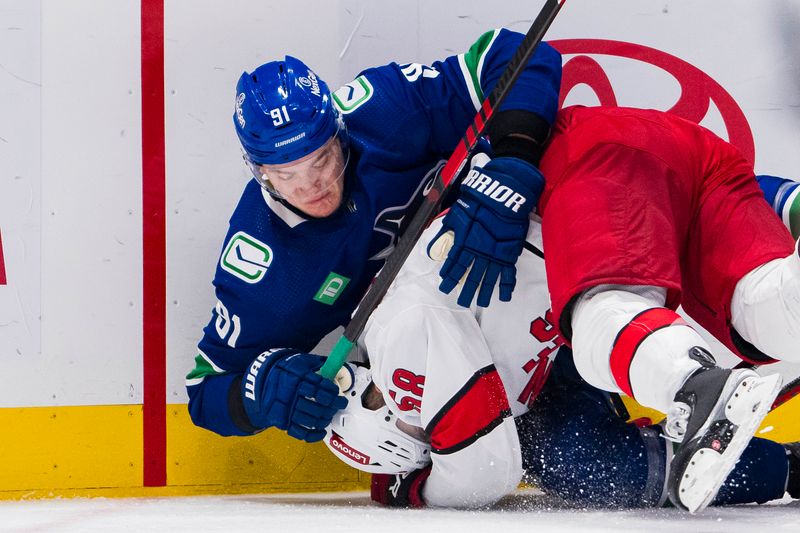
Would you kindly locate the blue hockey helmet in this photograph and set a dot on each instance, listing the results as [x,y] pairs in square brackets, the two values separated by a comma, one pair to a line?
[283,112]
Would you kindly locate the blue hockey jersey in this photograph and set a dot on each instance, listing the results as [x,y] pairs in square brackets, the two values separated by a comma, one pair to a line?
[283,280]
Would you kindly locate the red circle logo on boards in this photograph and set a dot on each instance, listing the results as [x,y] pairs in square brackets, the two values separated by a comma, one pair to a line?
[697,89]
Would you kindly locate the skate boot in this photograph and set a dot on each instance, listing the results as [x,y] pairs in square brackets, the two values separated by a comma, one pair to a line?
[714,415]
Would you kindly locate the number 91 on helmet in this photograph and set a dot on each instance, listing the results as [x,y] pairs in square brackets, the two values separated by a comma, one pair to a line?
[366,435]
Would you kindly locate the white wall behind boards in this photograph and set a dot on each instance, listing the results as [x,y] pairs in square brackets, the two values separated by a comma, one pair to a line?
[91,203]
[20,189]
[70,143]
[71,203]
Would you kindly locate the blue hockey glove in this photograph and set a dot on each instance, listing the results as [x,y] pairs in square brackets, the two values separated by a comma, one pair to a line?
[489,223]
[282,389]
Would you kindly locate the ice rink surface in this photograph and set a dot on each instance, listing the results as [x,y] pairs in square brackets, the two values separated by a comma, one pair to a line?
[353,513]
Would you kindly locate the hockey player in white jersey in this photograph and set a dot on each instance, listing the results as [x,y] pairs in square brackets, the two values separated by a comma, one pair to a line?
[434,416]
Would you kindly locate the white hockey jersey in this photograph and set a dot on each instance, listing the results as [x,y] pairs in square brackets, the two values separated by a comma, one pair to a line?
[462,373]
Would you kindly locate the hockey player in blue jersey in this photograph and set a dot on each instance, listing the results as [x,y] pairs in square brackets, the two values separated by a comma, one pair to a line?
[335,175]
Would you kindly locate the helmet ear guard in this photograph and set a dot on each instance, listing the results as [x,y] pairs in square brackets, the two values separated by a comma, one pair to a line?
[370,440]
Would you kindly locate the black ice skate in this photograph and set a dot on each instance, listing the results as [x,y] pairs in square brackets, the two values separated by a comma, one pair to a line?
[717,411]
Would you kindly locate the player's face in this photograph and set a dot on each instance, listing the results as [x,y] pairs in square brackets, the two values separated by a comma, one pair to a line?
[314,184]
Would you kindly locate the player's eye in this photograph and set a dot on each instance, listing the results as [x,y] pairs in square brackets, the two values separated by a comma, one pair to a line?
[282,176]
[321,162]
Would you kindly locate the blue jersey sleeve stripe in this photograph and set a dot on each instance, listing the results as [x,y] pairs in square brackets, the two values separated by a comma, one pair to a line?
[782,195]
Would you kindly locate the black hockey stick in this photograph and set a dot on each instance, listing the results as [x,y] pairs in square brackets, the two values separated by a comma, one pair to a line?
[789,391]
[443,183]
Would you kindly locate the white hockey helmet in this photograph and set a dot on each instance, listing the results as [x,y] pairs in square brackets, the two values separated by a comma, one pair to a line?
[370,440]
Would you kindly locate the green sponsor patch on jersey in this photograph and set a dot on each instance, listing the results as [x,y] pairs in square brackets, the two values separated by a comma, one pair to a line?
[331,289]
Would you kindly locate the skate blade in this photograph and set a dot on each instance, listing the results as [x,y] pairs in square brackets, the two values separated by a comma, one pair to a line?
[708,469]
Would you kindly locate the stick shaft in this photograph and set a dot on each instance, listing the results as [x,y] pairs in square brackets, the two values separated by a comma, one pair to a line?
[789,391]
[442,184]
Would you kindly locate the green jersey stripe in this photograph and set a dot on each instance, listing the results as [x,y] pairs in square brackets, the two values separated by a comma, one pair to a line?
[203,366]
[476,101]
[791,213]
[472,65]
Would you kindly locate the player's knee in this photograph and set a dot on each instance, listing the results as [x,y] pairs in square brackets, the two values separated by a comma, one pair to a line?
[765,308]
[597,317]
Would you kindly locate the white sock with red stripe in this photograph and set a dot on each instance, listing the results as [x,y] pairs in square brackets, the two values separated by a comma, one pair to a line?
[660,362]
[625,341]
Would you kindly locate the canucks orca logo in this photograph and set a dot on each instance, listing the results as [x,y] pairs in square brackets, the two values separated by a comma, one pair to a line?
[392,220]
